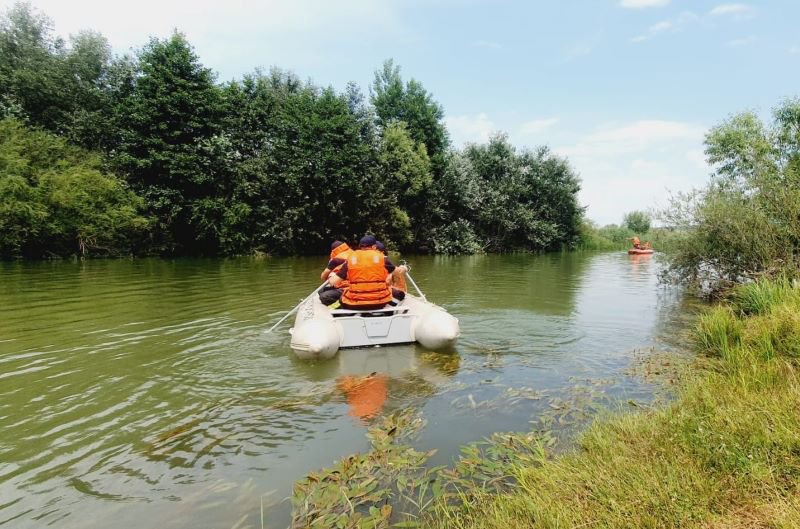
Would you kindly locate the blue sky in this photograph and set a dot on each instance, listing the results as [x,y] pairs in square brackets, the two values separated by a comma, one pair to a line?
[624,88]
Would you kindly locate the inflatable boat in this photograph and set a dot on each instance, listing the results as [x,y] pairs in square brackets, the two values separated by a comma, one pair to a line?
[640,251]
[320,332]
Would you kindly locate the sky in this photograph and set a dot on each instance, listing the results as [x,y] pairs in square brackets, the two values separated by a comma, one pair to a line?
[625,89]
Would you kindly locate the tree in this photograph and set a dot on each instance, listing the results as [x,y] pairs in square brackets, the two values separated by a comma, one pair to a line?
[56,201]
[405,169]
[412,104]
[42,81]
[506,201]
[168,124]
[746,222]
[32,74]
[637,221]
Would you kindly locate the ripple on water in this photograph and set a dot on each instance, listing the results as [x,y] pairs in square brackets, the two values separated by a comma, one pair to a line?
[146,393]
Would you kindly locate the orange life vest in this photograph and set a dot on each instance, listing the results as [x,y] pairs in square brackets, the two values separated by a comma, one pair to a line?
[367,275]
[342,248]
[342,251]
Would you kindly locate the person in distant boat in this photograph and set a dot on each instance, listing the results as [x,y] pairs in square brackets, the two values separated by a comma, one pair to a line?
[340,251]
[368,273]
[636,242]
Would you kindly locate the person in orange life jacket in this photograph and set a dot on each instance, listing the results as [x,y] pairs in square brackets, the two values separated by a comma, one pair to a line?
[369,273]
[398,276]
[340,251]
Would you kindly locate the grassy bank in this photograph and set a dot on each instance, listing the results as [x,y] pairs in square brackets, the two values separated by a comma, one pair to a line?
[725,454]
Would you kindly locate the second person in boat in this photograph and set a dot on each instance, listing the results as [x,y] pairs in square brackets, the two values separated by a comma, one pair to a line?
[368,274]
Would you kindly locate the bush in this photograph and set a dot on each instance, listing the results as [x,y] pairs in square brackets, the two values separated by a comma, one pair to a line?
[458,237]
[55,200]
[746,223]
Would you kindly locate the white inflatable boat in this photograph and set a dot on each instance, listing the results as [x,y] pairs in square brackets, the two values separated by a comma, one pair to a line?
[320,332]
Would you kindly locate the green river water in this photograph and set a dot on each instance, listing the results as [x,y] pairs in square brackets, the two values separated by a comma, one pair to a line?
[145,393]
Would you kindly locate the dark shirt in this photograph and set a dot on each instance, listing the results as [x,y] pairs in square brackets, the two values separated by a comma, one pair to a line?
[336,261]
[342,273]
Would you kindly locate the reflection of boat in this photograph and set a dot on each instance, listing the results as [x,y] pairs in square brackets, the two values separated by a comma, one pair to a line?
[319,332]
[640,251]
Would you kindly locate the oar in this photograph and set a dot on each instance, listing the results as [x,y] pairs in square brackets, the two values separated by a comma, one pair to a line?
[415,286]
[295,309]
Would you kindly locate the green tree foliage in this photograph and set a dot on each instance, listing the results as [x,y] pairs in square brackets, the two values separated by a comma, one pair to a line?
[266,163]
[406,173]
[746,222]
[169,147]
[637,221]
[56,201]
[32,78]
[506,201]
[49,84]
[411,103]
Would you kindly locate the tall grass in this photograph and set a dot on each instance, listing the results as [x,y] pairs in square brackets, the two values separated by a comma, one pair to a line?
[760,296]
[725,454]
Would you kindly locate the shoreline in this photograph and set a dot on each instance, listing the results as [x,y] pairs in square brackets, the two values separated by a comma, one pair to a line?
[723,451]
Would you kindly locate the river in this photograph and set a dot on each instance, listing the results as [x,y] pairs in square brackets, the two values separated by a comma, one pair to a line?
[145,393]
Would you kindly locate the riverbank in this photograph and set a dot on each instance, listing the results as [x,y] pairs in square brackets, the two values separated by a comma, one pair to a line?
[725,454]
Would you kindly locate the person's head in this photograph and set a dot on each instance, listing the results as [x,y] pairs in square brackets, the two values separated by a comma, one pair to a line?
[336,244]
[367,241]
[380,246]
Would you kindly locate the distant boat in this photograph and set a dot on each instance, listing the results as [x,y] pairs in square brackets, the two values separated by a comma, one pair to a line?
[640,251]
[320,332]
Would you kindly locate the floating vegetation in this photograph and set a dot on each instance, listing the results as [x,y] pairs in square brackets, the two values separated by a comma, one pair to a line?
[361,490]
[509,398]
[663,368]
[391,484]
[447,364]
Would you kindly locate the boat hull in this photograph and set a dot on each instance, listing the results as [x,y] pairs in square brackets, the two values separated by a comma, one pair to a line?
[319,332]
[634,251]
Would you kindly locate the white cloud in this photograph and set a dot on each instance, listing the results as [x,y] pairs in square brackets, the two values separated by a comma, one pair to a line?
[537,125]
[235,31]
[663,26]
[736,10]
[794,50]
[658,27]
[469,128]
[487,44]
[641,4]
[697,157]
[744,41]
[634,137]
[627,166]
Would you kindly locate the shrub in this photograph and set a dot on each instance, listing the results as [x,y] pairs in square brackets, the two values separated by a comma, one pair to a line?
[746,223]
